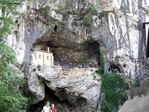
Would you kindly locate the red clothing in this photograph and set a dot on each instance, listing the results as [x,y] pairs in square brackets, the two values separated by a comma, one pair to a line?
[53,110]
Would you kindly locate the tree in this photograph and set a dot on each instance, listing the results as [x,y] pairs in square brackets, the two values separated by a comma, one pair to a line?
[11,98]
[114,93]
[8,9]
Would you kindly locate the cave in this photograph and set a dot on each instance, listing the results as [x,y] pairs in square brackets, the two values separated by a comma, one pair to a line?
[85,56]
[114,68]
[55,28]
[61,104]
[49,97]
[93,48]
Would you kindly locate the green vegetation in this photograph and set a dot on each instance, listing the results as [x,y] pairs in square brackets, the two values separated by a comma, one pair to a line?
[8,8]
[103,14]
[101,62]
[113,89]
[91,9]
[87,18]
[11,98]
[113,92]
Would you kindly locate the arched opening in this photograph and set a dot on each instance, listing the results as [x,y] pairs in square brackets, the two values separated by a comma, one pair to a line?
[93,50]
[113,68]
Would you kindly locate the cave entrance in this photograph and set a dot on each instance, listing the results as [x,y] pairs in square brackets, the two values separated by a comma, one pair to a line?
[93,50]
[113,68]
[50,54]
[49,97]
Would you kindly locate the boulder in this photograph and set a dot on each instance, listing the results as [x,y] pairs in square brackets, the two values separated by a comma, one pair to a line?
[138,104]
[77,86]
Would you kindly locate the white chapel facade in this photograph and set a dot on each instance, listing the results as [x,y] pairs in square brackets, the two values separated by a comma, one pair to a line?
[42,56]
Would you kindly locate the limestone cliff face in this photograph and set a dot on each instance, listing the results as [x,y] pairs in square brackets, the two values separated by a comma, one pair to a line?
[72,28]
[75,30]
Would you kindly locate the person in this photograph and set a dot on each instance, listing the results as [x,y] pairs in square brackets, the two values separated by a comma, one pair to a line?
[53,108]
[46,107]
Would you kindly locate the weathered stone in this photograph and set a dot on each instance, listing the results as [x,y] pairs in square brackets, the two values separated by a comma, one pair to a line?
[36,87]
[74,85]
[118,30]
[138,104]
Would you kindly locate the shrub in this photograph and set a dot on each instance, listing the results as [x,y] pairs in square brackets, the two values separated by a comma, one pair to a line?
[103,14]
[91,9]
[11,98]
[87,20]
[113,92]
[101,62]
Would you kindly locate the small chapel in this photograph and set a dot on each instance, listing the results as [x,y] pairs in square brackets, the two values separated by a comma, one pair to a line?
[42,56]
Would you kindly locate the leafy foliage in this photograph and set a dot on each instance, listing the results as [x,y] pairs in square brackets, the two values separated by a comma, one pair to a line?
[8,8]
[7,56]
[91,9]
[113,88]
[87,19]
[103,14]
[11,102]
[11,98]
[101,62]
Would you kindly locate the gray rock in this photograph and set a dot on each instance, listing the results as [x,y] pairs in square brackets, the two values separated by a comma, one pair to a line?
[117,27]
[138,104]
[75,86]
[36,87]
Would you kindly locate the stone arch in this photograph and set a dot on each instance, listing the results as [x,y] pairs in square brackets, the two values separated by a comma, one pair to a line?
[115,68]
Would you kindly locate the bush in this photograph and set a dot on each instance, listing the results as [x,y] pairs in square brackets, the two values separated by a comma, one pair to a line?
[101,62]
[103,14]
[114,94]
[87,20]
[11,98]
[91,9]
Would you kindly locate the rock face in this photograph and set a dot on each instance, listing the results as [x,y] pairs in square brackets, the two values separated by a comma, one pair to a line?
[76,86]
[72,28]
[138,104]
[75,30]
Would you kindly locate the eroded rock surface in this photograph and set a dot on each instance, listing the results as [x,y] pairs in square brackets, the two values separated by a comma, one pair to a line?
[68,26]
[73,85]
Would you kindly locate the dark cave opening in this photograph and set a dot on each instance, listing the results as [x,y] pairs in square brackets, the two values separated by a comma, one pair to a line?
[113,68]
[93,49]
[87,55]
[55,28]
[49,97]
